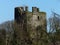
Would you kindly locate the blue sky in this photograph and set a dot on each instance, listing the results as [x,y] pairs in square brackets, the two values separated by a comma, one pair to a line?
[7,7]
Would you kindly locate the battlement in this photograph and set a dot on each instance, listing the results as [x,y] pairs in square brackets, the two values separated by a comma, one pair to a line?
[22,9]
[35,9]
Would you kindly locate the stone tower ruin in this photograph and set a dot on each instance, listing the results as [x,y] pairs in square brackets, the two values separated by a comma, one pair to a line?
[29,25]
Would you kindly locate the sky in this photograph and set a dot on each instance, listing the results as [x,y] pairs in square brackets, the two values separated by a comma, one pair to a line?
[7,7]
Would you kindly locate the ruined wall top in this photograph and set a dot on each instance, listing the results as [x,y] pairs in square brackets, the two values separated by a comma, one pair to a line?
[25,9]
[34,9]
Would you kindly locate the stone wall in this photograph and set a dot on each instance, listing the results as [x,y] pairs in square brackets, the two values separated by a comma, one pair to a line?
[29,25]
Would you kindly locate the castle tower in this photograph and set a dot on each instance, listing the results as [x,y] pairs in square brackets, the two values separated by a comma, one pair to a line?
[36,22]
[19,14]
[32,24]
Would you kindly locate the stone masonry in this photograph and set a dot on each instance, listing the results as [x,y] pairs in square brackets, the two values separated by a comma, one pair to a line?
[29,25]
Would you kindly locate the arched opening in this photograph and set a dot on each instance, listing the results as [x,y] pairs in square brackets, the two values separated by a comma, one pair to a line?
[38,17]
